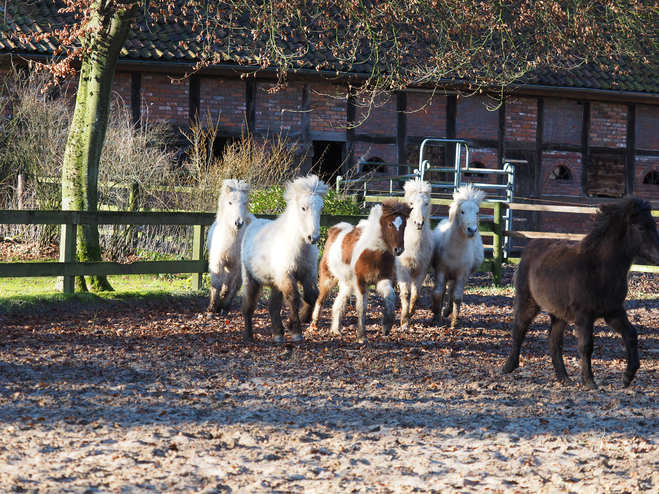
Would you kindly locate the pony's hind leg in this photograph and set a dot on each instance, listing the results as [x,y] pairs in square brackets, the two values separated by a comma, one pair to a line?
[584,330]
[524,315]
[386,290]
[450,301]
[326,284]
[311,293]
[415,289]
[361,302]
[621,325]
[556,332]
[456,291]
[214,304]
[274,309]
[251,293]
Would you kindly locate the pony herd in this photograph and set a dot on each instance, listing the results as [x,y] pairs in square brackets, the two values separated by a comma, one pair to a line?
[574,283]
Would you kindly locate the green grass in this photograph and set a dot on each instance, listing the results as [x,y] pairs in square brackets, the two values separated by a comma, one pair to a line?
[38,295]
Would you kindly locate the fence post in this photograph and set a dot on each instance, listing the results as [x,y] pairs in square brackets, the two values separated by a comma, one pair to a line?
[497,244]
[67,253]
[197,255]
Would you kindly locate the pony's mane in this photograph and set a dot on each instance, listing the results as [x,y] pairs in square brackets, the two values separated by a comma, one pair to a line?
[305,185]
[465,193]
[392,207]
[610,213]
[235,185]
[416,186]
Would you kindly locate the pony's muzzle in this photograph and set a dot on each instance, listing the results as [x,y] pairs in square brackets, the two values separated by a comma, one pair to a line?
[313,239]
[239,224]
[419,224]
[471,231]
[398,250]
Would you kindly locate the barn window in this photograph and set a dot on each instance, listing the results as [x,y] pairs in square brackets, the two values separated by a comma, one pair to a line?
[373,165]
[561,172]
[652,178]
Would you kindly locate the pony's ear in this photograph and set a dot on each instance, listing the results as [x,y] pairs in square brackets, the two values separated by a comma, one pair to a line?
[226,188]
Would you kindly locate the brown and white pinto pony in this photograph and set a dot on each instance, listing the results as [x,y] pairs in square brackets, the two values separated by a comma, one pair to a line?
[356,257]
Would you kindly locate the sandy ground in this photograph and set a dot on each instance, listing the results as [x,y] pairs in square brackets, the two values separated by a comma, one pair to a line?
[162,398]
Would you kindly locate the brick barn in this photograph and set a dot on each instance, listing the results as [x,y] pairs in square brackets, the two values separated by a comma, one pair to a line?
[584,134]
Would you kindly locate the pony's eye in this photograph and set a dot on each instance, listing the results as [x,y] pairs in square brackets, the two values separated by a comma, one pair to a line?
[640,228]
[304,208]
[230,203]
[462,212]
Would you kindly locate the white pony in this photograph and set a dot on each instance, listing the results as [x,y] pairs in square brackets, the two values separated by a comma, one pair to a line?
[412,264]
[224,239]
[458,251]
[281,253]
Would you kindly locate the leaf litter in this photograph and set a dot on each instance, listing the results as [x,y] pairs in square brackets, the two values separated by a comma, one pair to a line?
[161,397]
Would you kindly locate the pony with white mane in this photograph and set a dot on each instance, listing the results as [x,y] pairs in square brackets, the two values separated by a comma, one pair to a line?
[412,264]
[458,251]
[224,239]
[356,257]
[281,253]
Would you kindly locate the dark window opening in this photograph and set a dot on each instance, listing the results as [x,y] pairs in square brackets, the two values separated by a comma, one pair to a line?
[561,172]
[327,160]
[373,165]
[220,144]
[652,178]
[473,175]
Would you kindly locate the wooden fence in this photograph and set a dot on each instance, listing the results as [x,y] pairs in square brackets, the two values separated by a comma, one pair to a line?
[491,225]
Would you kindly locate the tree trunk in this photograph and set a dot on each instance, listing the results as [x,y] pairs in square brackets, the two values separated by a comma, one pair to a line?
[109,24]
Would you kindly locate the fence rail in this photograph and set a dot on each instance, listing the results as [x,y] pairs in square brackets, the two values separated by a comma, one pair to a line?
[68,268]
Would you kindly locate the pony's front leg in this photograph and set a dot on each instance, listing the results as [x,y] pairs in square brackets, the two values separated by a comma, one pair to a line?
[361,302]
[386,290]
[251,294]
[584,330]
[274,309]
[310,290]
[621,325]
[339,307]
[233,287]
[438,296]
[415,289]
[405,312]
[556,332]
[292,298]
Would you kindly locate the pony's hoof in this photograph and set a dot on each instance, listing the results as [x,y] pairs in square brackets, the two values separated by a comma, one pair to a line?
[279,340]
[404,326]
[249,340]
[362,340]
[336,332]
[298,338]
[386,331]
[508,368]
[313,326]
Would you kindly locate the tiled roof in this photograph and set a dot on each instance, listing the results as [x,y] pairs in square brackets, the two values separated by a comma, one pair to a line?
[177,42]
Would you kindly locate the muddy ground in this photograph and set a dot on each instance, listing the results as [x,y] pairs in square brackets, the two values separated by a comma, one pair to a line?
[158,397]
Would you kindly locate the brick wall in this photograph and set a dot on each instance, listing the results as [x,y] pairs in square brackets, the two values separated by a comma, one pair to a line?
[224,100]
[553,159]
[165,99]
[608,125]
[328,109]
[278,109]
[426,116]
[474,120]
[378,119]
[483,158]
[121,88]
[564,222]
[521,119]
[647,127]
[562,121]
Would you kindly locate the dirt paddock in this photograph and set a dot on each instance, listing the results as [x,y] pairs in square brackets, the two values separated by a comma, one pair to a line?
[161,398]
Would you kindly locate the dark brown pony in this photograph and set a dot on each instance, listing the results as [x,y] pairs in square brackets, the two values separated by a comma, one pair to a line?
[360,256]
[579,283]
